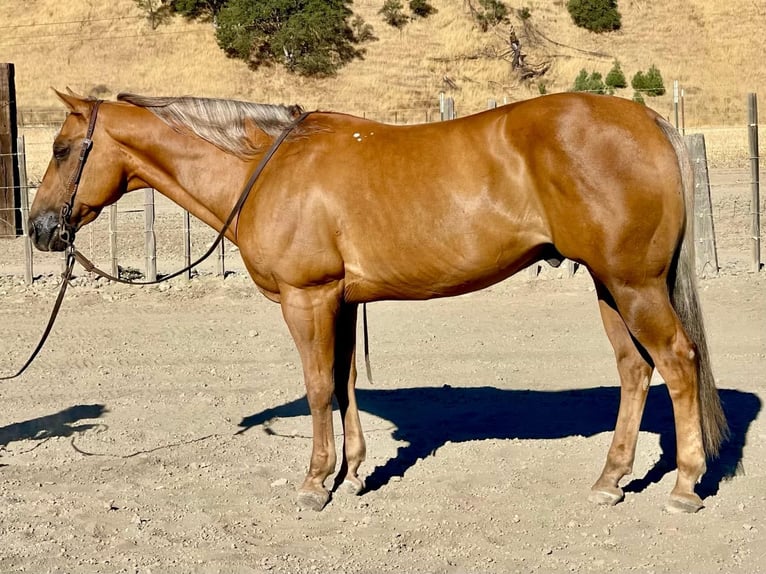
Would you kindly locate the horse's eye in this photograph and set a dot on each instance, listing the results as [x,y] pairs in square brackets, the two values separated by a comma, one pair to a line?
[60,151]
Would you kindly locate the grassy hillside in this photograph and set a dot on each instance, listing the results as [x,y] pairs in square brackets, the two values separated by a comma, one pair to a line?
[712,48]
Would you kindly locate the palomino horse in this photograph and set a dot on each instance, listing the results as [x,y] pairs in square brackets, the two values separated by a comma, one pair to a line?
[349,211]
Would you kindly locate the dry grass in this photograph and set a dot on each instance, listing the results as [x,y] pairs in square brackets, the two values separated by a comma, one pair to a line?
[712,48]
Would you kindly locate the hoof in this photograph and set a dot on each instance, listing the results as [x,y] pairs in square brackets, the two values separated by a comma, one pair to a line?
[353,486]
[315,501]
[606,496]
[688,504]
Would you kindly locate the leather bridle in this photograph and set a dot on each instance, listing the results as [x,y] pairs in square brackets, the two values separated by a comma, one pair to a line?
[67,230]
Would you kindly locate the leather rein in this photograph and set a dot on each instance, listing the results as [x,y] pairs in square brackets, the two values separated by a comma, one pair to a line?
[67,230]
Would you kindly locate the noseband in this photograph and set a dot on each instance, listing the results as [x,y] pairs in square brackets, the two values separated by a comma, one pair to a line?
[66,229]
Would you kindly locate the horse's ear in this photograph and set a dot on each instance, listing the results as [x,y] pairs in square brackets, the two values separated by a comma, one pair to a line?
[75,103]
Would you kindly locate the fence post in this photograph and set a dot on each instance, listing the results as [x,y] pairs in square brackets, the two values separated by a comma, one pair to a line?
[24,188]
[755,204]
[10,224]
[442,106]
[222,258]
[702,223]
[534,269]
[113,239]
[150,239]
[187,243]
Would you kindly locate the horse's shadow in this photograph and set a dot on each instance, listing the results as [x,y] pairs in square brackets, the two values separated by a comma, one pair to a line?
[427,418]
[56,425]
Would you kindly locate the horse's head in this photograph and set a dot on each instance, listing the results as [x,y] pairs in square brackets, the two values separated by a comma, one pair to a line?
[102,182]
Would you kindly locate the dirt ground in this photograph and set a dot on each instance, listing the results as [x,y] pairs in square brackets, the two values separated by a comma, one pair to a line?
[165,430]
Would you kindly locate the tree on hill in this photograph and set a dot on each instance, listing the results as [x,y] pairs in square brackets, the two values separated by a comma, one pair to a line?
[157,12]
[616,78]
[488,13]
[393,14]
[592,83]
[309,37]
[595,15]
[421,8]
[650,83]
[197,8]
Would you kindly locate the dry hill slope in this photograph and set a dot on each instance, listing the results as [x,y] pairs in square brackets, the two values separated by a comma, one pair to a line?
[712,48]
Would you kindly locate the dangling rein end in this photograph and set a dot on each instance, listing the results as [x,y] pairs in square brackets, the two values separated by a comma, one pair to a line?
[366,344]
[65,277]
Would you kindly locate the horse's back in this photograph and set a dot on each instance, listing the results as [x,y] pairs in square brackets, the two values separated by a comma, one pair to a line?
[444,208]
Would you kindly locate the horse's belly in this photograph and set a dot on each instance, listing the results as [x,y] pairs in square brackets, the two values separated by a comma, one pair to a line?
[426,271]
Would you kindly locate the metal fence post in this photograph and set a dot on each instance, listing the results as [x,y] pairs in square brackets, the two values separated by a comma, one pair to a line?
[755,204]
[24,197]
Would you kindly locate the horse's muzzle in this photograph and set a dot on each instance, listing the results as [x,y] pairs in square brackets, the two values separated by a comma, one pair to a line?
[45,232]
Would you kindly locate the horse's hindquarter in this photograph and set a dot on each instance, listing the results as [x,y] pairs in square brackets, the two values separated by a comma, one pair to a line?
[442,209]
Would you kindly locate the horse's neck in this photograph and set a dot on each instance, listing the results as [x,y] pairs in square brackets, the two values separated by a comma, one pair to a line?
[193,174]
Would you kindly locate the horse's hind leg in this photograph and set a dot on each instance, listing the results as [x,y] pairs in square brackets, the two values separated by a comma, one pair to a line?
[635,373]
[649,315]
[354,448]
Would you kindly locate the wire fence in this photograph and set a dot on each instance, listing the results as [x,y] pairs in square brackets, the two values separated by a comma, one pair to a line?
[118,241]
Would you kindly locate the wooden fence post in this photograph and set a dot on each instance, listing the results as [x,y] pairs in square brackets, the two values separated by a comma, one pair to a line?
[10,216]
[755,204]
[702,223]
[150,239]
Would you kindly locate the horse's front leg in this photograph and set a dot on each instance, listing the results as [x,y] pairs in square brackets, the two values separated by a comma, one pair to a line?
[311,316]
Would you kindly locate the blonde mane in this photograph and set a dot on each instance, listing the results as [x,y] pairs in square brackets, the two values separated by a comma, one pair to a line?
[220,122]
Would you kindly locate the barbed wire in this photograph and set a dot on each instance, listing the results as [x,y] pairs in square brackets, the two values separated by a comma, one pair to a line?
[105,37]
[67,22]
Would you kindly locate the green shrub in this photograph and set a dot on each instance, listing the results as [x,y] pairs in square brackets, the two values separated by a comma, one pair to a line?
[595,15]
[615,78]
[393,13]
[650,84]
[593,83]
[363,32]
[492,13]
[421,8]
[637,97]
